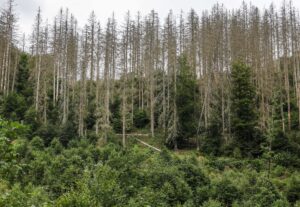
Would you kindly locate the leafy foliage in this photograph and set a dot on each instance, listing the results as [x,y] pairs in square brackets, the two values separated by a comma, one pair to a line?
[81,174]
[140,118]
[186,101]
[244,117]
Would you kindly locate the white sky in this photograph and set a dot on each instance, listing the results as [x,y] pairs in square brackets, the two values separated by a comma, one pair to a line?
[26,9]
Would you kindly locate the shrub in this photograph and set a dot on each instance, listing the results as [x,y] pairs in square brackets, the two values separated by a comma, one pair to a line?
[225,192]
[140,118]
[293,191]
[212,203]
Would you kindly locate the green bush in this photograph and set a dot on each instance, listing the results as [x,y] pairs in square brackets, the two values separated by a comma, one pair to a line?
[140,118]
[293,191]
[225,192]
[212,203]
[14,107]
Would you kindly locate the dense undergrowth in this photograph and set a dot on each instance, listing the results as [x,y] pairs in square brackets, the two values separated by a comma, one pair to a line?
[83,174]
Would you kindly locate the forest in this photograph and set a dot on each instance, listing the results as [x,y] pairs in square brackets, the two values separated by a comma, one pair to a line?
[193,109]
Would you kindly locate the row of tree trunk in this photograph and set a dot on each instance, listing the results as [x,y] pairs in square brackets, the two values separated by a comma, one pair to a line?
[138,61]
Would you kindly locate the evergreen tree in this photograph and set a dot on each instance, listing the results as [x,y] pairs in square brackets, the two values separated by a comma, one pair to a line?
[211,142]
[16,103]
[186,101]
[244,117]
[23,85]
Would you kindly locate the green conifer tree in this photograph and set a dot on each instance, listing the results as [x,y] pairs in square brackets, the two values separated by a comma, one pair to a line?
[246,136]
